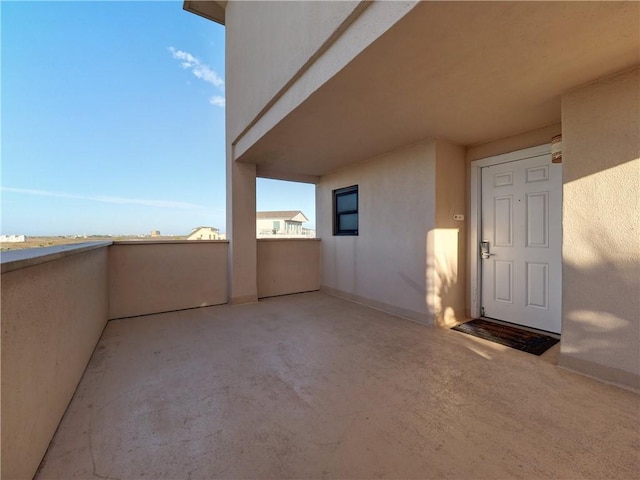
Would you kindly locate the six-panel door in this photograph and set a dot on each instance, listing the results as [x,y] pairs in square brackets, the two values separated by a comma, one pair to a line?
[521,221]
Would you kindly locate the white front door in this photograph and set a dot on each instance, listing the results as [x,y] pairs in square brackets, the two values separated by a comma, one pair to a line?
[521,242]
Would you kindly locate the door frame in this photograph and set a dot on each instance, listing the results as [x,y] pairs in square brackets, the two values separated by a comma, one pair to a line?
[475,225]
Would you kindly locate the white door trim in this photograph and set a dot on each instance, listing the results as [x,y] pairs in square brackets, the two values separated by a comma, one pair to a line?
[476,204]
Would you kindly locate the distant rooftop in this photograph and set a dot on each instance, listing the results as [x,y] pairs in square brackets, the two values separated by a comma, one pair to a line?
[286,214]
[198,228]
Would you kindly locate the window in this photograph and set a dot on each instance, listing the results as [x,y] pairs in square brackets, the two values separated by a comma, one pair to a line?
[345,211]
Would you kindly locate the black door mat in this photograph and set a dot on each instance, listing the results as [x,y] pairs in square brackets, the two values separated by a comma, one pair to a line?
[530,342]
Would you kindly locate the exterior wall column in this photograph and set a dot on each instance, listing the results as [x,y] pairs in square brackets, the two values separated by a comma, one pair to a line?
[241,232]
[601,221]
[446,273]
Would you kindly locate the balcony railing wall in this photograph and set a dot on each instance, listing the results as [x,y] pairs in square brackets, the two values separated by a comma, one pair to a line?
[288,266]
[147,277]
[57,301]
[54,308]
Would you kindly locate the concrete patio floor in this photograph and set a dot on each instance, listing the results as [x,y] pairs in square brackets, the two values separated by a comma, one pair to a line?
[311,386]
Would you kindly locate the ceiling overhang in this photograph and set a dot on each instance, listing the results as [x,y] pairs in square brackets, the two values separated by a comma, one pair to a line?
[209,9]
[465,72]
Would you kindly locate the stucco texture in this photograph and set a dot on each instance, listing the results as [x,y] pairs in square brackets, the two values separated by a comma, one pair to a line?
[241,230]
[386,262]
[263,34]
[402,260]
[467,72]
[532,138]
[49,331]
[152,278]
[288,266]
[446,270]
[601,229]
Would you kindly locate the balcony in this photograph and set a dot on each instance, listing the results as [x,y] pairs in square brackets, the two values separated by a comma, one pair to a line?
[160,378]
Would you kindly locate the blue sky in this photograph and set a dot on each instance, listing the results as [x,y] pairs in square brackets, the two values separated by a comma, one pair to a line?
[113,121]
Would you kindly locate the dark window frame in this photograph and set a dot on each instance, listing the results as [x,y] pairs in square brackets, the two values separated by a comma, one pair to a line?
[341,192]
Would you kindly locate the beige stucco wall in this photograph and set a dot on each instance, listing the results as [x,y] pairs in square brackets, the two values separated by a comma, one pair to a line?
[601,229]
[241,230]
[408,258]
[532,138]
[288,266]
[308,41]
[147,277]
[447,281]
[260,35]
[52,317]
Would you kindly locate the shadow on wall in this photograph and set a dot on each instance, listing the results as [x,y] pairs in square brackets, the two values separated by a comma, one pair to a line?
[442,277]
[601,306]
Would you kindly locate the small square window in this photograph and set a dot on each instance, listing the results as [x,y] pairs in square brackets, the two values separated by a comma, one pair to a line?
[345,211]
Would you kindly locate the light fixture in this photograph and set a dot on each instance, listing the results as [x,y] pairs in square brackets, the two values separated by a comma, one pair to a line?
[556,149]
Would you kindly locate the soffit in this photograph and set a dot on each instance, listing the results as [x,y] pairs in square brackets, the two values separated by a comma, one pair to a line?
[467,72]
[209,9]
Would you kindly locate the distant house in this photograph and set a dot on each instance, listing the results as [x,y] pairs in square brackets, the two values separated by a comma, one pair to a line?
[13,238]
[155,233]
[205,233]
[281,223]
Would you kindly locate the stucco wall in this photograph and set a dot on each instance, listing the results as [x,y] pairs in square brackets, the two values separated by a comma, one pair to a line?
[241,230]
[288,266]
[147,277]
[52,317]
[385,265]
[448,275]
[260,35]
[532,138]
[601,229]
[308,41]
